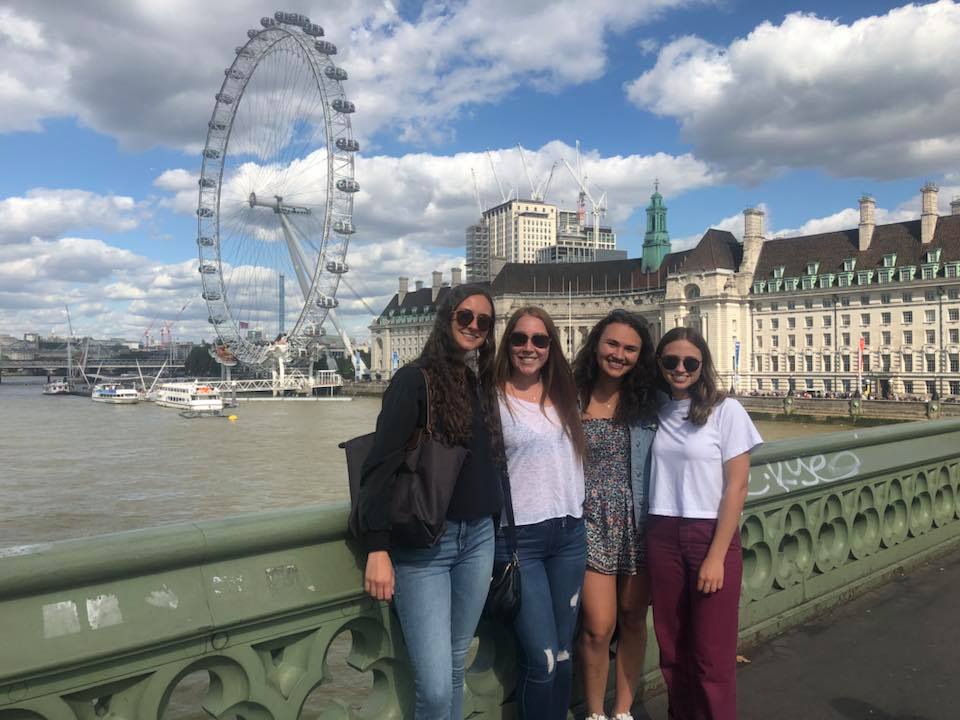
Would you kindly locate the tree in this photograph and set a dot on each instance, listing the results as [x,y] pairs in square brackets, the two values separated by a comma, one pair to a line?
[199,363]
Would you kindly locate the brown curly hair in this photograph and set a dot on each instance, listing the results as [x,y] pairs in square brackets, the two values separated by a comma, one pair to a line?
[452,378]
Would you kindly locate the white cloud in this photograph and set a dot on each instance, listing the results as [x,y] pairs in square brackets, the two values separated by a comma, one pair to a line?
[153,82]
[876,98]
[48,213]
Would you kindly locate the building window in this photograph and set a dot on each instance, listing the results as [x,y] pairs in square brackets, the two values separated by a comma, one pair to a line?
[845,321]
[791,363]
[827,364]
[808,340]
[808,303]
[908,363]
[792,340]
[866,339]
[864,299]
[953,293]
[808,362]
[774,364]
[808,321]
[845,359]
[884,318]
[774,323]
[889,260]
[775,341]
[827,340]
[849,264]
[809,383]
[931,387]
[954,362]
[826,303]
[908,387]
[775,383]
[864,277]
[908,337]
[885,363]
[928,272]
[907,297]
[791,305]
[906,273]
[930,295]
[885,299]
[759,341]
[907,316]
[955,387]
[774,307]
[866,363]
[759,323]
[845,339]
[864,319]
[954,335]
[953,314]
[885,337]
[813,268]
[827,386]
[827,321]
[845,301]
[929,316]
[759,384]
[930,336]
[778,272]
[791,323]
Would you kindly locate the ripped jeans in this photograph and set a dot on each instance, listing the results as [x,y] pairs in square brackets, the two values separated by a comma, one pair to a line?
[553,557]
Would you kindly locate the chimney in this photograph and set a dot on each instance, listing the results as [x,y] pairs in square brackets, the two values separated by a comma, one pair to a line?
[868,222]
[455,277]
[437,282]
[752,239]
[955,206]
[928,212]
[402,293]
[419,284]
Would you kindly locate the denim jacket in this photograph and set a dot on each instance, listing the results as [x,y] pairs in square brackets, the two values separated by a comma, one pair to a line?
[641,459]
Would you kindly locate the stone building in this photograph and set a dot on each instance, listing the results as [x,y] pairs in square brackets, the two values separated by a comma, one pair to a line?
[780,314]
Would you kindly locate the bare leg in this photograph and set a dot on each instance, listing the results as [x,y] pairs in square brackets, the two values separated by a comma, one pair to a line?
[599,603]
[634,596]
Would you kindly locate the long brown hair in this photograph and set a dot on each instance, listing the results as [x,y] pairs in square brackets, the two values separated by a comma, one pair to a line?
[705,394]
[447,367]
[638,389]
[555,375]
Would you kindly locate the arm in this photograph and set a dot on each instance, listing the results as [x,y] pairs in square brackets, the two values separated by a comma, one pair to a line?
[736,473]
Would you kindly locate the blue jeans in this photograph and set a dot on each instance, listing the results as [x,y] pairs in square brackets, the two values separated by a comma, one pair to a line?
[553,558]
[439,595]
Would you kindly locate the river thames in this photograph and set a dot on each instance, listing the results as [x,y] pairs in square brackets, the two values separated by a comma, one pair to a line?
[72,467]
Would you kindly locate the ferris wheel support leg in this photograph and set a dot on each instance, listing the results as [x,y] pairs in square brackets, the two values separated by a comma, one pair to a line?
[296,256]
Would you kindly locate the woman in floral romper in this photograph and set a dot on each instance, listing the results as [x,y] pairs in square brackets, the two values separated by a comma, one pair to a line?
[615,374]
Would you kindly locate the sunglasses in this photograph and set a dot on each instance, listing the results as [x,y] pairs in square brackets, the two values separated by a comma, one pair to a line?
[465,317]
[519,339]
[671,362]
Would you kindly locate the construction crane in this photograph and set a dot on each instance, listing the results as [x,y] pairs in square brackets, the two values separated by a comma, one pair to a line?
[476,190]
[166,334]
[537,193]
[599,205]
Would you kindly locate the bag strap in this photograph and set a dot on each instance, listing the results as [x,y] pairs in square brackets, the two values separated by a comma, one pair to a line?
[428,428]
[511,529]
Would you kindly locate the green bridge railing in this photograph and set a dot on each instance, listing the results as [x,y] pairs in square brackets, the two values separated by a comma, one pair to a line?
[112,627]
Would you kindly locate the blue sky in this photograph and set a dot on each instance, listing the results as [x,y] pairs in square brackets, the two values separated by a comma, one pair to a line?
[797,107]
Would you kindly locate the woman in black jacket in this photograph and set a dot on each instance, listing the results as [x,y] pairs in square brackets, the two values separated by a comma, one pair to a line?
[439,591]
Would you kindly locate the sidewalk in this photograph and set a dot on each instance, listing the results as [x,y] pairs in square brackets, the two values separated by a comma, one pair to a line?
[891,654]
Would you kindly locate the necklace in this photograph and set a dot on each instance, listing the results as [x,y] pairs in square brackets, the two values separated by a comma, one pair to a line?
[611,401]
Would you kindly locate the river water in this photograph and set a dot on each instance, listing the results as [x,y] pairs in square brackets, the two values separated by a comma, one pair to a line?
[70,467]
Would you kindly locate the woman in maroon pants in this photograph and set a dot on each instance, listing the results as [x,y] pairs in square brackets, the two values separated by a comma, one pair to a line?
[701,465]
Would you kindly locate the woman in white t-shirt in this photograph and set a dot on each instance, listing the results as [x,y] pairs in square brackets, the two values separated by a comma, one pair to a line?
[701,466]
[544,444]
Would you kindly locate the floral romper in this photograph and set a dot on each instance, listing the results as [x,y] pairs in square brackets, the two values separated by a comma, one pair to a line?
[614,545]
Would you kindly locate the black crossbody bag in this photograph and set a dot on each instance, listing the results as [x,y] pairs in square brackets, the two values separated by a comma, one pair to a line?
[503,599]
[422,488]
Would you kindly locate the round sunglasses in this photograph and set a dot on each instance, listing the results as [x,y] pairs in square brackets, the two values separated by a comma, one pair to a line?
[539,340]
[465,317]
[671,362]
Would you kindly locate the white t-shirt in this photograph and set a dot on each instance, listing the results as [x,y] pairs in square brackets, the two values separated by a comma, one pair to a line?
[546,474]
[688,459]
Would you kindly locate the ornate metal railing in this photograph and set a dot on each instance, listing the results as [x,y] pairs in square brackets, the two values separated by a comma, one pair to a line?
[116,626]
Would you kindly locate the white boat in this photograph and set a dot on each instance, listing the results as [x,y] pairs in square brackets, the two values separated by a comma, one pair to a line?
[57,387]
[114,393]
[189,396]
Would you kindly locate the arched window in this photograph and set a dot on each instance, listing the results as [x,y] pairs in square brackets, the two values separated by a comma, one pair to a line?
[691,292]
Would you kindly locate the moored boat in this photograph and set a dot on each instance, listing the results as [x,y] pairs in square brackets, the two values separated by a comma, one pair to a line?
[57,387]
[195,396]
[115,394]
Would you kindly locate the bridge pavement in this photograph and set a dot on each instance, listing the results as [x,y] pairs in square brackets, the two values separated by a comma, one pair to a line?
[891,654]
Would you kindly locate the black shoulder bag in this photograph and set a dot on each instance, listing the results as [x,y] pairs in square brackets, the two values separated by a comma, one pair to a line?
[503,599]
[423,485]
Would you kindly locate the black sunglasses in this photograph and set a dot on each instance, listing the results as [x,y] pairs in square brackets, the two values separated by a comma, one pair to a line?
[670,362]
[519,339]
[465,317]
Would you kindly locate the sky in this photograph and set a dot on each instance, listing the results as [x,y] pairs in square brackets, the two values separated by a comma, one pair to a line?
[795,107]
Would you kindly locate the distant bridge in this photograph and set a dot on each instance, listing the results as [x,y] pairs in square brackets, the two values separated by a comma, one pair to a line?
[58,366]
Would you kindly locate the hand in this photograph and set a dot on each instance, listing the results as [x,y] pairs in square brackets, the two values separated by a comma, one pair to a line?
[378,579]
[710,579]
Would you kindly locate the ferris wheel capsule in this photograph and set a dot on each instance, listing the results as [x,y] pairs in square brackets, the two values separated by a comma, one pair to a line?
[344,227]
[348,185]
[336,73]
[343,106]
[313,30]
[325,47]
[327,302]
[337,267]
[267,22]
[347,144]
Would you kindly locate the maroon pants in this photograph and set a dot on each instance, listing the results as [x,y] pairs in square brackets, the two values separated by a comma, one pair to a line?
[697,633]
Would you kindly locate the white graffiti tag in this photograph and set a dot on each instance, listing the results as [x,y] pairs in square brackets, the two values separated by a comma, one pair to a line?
[798,473]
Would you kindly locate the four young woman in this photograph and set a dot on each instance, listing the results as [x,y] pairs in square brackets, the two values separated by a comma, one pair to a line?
[627,479]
